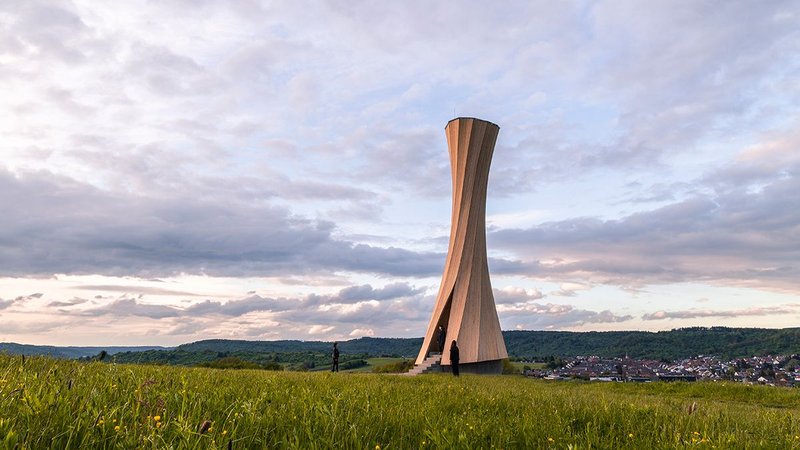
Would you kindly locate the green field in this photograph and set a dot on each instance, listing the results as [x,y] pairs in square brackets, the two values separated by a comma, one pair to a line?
[375,362]
[48,403]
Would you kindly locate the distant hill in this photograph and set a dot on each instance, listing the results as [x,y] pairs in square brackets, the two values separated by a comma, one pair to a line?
[407,347]
[298,355]
[671,345]
[69,352]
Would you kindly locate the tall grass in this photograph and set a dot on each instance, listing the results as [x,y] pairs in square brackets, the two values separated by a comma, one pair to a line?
[48,403]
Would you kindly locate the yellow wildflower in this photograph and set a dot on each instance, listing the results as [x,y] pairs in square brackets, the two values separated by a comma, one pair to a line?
[224,432]
[116,428]
[550,440]
[157,418]
[630,435]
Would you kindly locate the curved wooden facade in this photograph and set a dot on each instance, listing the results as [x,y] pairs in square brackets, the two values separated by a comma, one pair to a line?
[465,304]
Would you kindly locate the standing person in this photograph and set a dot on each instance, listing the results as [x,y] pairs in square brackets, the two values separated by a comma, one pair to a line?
[442,334]
[335,367]
[454,357]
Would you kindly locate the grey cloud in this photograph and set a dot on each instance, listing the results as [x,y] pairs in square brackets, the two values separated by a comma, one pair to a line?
[659,91]
[401,307]
[72,302]
[20,299]
[299,307]
[126,307]
[53,30]
[553,316]
[240,307]
[514,295]
[674,98]
[398,313]
[133,289]
[564,293]
[504,266]
[776,156]
[660,192]
[174,234]
[42,326]
[741,237]
[189,327]
[414,159]
[367,292]
[395,313]
[667,81]
[696,313]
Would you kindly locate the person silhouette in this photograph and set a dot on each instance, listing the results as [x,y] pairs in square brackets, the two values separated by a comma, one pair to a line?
[454,357]
[335,366]
[442,334]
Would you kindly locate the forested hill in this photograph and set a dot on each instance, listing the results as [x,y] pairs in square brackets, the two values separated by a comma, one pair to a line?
[365,345]
[674,344]
[13,348]
[679,343]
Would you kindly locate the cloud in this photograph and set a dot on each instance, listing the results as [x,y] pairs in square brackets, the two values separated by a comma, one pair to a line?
[705,313]
[401,310]
[367,292]
[741,237]
[522,309]
[348,304]
[512,295]
[66,303]
[553,316]
[570,289]
[236,308]
[19,300]
[320,329]
[174,235]
[132,289]
[360,332]
[126,307]
[25,298]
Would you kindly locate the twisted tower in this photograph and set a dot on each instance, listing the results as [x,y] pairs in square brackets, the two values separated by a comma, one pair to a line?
[465,304]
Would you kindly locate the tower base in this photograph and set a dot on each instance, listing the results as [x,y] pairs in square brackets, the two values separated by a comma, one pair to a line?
[493,367]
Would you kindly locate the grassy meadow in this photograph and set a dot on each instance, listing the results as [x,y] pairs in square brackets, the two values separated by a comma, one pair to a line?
[49,403]
[372,363]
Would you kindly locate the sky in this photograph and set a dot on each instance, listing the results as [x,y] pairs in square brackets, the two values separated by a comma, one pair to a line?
[180,170]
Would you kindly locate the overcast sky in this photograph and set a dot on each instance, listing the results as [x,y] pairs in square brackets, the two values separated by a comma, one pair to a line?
[179,170]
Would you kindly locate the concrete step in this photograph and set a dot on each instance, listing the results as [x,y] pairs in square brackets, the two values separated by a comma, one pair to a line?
[429,364]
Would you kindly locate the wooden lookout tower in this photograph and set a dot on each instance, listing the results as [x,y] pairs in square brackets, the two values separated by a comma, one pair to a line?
[465,305]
